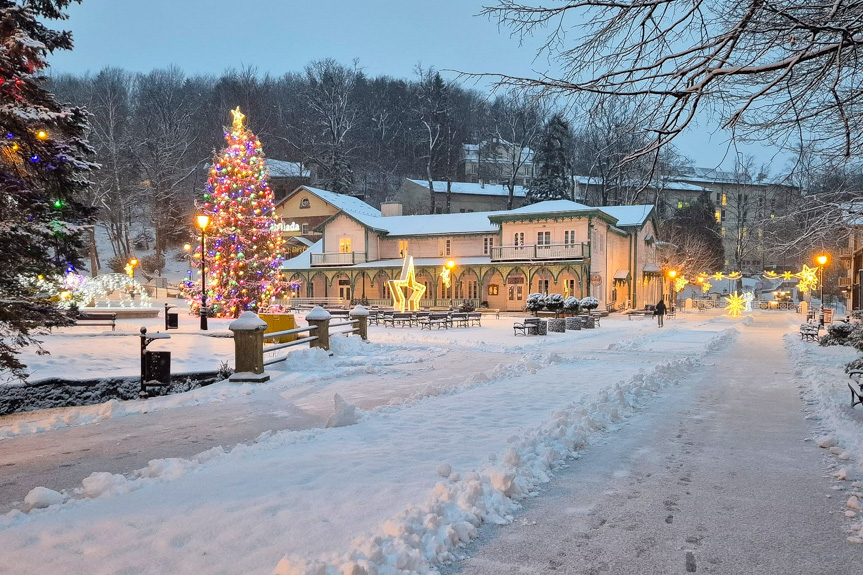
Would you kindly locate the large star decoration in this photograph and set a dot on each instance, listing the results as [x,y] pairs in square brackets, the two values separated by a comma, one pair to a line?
[408,280]
[238,118]
[736,304]
[680,283]
[808,278]
[705,287]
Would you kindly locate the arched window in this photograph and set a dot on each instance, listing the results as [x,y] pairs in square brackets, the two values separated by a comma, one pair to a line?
[304,204]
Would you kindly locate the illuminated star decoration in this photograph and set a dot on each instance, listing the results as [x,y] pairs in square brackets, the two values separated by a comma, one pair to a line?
[680,283]
[408,280]
[734,276]
[445,277]
[787,275]
[770,275]
[238,118]
[808,279]
[718,276]
[705,287]
[736,304]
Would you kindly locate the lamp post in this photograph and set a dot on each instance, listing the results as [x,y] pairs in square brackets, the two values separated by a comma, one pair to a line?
[203,221]
[671,274]
[822,260]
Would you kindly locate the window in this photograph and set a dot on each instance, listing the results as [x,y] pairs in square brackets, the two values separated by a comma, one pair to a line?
[723,235]
[472,287]
[305,204]
[569,288]
[493,289]
[345,245]
[518,239]
[487,244]
[718,216]
[724,200]
[718,197]
[516,292]
[569,238]
[542,286]
[403,248]
[447,247]
[304,229]
[543,238]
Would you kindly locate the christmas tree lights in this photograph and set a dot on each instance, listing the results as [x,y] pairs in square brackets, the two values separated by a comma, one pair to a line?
[243,254]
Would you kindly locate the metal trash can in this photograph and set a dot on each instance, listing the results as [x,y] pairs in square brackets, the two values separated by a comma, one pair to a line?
[172,318]
[157,367]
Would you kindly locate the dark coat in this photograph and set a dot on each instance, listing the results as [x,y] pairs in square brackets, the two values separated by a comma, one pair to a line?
[660,308]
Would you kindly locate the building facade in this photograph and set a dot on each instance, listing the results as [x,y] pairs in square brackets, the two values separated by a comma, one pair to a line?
[499,257]
[464,197]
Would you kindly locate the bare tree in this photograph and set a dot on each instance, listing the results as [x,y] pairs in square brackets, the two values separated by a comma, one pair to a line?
[771,70]
[431,107]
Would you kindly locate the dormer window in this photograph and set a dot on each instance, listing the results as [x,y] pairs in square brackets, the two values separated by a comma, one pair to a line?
[305,204]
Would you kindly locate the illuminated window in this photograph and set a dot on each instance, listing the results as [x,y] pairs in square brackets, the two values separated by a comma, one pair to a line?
[724,200]
[345,245]
[493,289]
[403,248]
[718,216]
[723,232]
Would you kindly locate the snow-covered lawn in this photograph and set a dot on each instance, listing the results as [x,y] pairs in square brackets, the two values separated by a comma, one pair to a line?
[455,427]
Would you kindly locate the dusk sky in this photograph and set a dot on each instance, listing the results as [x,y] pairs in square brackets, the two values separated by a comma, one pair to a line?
[276,36]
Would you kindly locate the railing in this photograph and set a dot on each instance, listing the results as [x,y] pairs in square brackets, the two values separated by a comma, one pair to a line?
[540,252]
[299,341]
[338,259]
[845,252]
[353,323]
[845,282]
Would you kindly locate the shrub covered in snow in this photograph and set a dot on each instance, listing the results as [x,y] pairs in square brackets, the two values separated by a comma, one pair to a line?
[535,302]
[589,303]
[839,334]
[570,305]
[554,302]
[467,306]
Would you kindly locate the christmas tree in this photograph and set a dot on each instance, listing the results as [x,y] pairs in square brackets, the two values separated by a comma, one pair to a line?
[43,174]
[552,163]
[243,253]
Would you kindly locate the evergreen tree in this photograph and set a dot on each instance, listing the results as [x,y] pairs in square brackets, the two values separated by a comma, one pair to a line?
[43,172]
[243,252]
[551,178]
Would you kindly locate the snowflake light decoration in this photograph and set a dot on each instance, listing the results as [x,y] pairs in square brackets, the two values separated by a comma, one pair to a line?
[705,286]
[736,304]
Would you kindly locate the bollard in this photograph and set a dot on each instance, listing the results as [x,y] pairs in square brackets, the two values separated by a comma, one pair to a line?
[248,348]
[321,318]
[362,314]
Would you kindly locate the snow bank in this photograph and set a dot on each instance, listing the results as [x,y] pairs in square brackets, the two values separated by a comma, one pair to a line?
[345,413]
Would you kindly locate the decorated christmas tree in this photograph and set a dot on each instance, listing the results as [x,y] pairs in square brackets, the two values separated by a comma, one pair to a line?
[43,175]
[243,253]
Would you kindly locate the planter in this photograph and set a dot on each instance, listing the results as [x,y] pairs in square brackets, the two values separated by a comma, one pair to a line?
[573,323]
[542,328]
[557,325]
[587,322]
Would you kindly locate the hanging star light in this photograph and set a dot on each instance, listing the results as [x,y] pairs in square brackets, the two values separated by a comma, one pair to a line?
[771,275]
[808,279]
[734,276]
[736,304]
[705,286]
[680,283]
[407,280]
[718,276]
[787,275]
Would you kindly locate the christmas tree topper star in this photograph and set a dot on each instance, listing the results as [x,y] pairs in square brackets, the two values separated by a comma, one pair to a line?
[238,118]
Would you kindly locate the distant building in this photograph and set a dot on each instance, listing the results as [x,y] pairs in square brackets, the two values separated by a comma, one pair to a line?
[286,176]
[491,162]
[466,197]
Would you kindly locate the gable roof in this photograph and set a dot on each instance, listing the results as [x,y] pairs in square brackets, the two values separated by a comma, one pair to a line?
[427,224]
[629,215]
[472,189]
[283,169]
[342,202]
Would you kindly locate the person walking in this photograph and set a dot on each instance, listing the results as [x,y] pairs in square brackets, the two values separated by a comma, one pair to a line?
[660,311]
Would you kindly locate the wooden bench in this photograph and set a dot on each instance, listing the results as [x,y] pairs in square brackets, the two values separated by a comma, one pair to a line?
[856,393]
[97,318]
[809,331]
[639,313]
[474,318]
[400,318]
[459,319]
[438,320]
[488,310]
[530,326]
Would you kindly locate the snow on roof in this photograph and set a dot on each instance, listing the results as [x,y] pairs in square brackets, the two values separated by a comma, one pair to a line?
[667,184]
[283,169]
[345,203]
[471,152]
[473,189]
[546,207]
[628,215]
[432,224]
[304,260]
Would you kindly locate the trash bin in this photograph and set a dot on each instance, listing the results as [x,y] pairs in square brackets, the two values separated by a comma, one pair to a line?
[157,367]
[280,322]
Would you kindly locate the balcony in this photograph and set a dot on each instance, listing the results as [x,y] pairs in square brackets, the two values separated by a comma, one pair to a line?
[845,282]
[845,253]
[540,252]
[338,259]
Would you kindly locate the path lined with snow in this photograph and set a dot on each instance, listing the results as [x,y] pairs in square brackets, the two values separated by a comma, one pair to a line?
[716,478]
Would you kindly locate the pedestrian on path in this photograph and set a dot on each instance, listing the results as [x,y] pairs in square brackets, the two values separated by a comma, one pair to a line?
[660,311]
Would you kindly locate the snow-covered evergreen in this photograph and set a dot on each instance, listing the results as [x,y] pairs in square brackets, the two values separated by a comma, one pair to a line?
[552,180]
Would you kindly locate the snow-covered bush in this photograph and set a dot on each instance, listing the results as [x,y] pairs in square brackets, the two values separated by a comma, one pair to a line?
[535,302]
[570,305]
[838,334]
[467,306]
[554,302]
[153,264]
[589,303]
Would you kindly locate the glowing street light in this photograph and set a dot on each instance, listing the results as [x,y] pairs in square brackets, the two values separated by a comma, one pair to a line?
[203,222]
[821,260]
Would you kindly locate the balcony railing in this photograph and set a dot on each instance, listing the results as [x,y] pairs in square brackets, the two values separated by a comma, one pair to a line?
[338,259]
[845,282]
[845,253]
[540,252]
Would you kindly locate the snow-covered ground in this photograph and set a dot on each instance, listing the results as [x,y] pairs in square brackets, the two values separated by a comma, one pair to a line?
[453,429]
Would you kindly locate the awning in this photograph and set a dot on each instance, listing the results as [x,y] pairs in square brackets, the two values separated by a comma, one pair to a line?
[621,276]
[651,269]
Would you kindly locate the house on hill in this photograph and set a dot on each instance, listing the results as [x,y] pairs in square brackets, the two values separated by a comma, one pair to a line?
[466,197]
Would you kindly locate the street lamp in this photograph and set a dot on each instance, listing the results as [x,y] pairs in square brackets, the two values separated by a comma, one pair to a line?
[203,221]
[822,260]
[671,274]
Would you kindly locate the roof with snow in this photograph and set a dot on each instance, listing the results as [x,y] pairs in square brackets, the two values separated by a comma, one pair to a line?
[429,224]
[472,153]
[629,215]
[667,184]
[469,188]
[283,169]
[345,203]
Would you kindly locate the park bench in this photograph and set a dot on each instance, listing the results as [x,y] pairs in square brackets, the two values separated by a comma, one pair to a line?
[435,319]
[399,318]
[96,318]
[529,326]
[459,319]
[856,387]
[639,313]
[809,331]
[474,318]
[488,310]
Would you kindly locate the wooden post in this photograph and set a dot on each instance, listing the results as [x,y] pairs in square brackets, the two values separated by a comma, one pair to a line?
[321,318]
[362,314]
[248,348]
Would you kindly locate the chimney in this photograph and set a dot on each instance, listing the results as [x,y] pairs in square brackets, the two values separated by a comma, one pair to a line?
[391,209]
